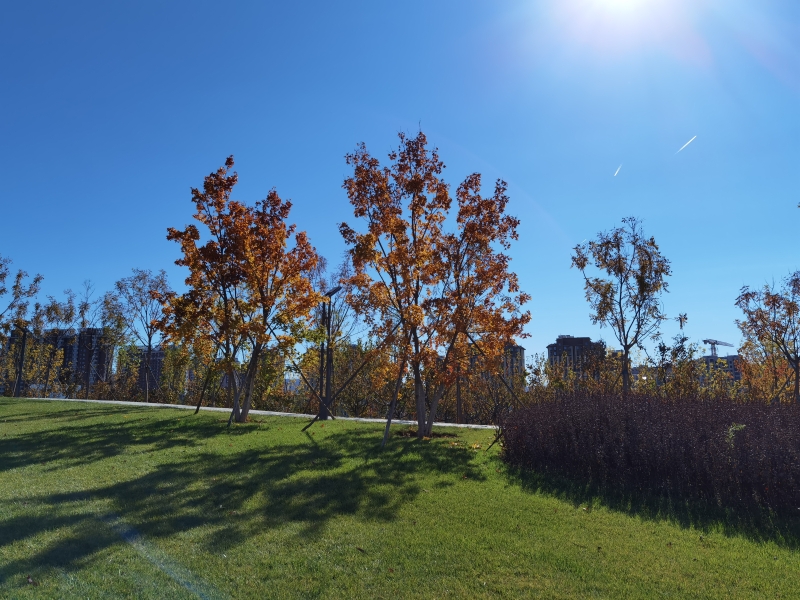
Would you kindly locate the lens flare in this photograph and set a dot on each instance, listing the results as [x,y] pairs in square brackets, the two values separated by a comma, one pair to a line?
[614,27]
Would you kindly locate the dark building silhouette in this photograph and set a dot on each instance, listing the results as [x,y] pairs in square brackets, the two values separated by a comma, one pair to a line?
[513,361]
[88,355]
[157,355]
[94,356]
[575,350]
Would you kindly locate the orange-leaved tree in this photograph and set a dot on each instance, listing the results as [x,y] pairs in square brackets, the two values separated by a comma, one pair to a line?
[248,284]
[424,287]
[772,324]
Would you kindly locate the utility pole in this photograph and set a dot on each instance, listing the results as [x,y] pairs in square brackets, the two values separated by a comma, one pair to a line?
[328,366]
[324,413]
[459,408]
[326,356]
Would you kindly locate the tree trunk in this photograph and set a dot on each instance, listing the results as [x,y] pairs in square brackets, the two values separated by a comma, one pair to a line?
[235,390]
[21,367]
[47,373]
[203,390]
[147,371]
[796,381]
[459,407]
[88,372]
[440,391]
[393,403]
[626,382]
[249,384]
[419,394]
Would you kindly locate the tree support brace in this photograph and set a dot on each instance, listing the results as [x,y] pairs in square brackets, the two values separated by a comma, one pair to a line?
[349,379]
[508,387]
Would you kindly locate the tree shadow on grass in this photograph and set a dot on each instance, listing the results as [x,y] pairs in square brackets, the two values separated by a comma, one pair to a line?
[754,525]
[62,414]
[226,496]
[70,443]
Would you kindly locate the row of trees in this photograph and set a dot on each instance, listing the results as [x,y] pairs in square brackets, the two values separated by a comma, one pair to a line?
[104,330]
[421,302]
[426,294]
[624,278]
[415,322]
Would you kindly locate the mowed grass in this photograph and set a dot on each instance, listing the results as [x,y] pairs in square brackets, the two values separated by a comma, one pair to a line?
[102,501]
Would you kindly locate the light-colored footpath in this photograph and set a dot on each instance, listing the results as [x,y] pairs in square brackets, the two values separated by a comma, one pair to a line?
[267,413]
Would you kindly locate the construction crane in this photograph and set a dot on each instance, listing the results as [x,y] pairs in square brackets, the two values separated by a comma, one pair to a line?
[714,344]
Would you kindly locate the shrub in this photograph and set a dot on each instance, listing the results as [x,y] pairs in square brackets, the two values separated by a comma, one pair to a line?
[725,453]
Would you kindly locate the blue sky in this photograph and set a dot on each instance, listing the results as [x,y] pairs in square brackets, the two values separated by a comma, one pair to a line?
[112,111]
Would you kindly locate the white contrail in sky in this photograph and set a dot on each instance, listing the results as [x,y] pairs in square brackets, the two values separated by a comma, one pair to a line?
[618,168]
[686,144]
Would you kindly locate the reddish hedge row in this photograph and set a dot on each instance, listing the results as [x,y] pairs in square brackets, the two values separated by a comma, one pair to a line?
[725,453]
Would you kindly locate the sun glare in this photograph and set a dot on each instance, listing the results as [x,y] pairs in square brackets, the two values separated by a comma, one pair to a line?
[615,27]
[622,5]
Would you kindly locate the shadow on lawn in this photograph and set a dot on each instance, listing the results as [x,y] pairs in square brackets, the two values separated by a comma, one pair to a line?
[783,530]
[231,493]
[71,441]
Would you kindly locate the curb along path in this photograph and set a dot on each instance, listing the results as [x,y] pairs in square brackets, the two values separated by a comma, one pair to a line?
[267,413]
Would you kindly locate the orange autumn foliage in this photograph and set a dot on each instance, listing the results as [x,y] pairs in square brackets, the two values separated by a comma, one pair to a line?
[440,289]
[248,284]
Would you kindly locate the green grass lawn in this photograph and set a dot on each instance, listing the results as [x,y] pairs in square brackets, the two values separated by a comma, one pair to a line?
[102,501]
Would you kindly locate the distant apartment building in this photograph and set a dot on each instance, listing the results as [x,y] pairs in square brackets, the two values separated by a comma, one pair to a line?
[157,356]
[88,356]
[724,363]
[513,361]
[575,350]
[95,356]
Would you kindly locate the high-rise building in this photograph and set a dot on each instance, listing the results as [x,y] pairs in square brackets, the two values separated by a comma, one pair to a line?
[575,350]
[157,355]
[94,356]
[512,362]
[88,356]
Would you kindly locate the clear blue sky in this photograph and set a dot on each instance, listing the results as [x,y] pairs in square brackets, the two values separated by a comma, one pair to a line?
[111,111]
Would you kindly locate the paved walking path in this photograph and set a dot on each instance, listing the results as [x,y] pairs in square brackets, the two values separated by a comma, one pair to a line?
[268,413]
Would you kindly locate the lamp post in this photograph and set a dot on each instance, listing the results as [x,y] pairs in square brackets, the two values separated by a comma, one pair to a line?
[326,355]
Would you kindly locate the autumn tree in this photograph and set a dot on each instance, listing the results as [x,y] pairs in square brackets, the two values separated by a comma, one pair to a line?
[480,308]
[15,297]
[771,323]
[628,298]
[51,323]
[417,284]
[248,284]
[765,374]
[137,297]
[99,329]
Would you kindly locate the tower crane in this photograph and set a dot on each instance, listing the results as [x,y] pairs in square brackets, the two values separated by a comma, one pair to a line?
[714,344]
